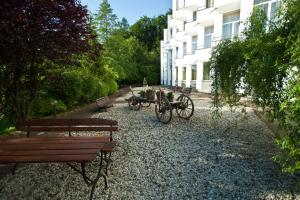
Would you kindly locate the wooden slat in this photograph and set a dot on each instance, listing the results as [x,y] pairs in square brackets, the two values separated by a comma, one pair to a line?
[21,146]
[50,158]
[66,128]
[11,152]
[55,140]
[62,122]
[58,149]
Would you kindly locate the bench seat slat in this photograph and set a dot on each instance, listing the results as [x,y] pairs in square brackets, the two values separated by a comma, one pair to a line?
[49,158]
[44,146]
[10,152]
[54,140]
[66,122]
[66,128]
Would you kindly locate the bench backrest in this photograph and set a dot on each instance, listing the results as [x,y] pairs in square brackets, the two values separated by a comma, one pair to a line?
[61,125]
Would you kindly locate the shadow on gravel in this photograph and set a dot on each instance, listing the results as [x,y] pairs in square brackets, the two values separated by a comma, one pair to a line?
[186,159]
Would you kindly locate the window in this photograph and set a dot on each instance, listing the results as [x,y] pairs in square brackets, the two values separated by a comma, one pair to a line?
[274,9]
[177,52]
[206,71]
[194,72]
[195,16]
[184,24]
[209,3]
[194,43]
[260,1]
[231,25]
[176,76]
[184,73]
[171,33]
[269,7]
[184,48]
[208,35]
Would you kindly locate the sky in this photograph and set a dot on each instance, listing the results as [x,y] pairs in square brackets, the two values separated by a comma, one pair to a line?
[132,10]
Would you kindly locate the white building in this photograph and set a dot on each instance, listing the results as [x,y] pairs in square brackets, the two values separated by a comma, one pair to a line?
[193,29]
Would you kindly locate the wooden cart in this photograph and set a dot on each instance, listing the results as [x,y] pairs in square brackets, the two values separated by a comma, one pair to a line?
[183,105]
[136,102]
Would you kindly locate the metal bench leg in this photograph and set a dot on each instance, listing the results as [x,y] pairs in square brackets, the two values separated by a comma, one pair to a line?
[108,160]
[94,183]
[88,180]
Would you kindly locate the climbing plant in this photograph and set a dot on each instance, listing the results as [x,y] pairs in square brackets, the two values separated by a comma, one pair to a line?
[264,64]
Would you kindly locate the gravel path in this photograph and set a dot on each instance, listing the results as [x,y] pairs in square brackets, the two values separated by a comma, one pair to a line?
[183,160]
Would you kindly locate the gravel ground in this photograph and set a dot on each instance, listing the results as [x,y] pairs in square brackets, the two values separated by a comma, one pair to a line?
[183,160]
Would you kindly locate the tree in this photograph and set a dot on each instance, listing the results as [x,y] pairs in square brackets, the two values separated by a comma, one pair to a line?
[150,31]
[105,21]
[32,33]
[123,24]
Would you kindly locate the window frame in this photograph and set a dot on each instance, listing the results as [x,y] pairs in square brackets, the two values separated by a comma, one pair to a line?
[195,16]
[184,73]
[194,68]
[270,14]
[210,34]
[205,78]
[210,3]
[184,48]
[194,44]
[234,24]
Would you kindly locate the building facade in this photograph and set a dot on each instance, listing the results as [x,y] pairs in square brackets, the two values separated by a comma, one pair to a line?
[196,26]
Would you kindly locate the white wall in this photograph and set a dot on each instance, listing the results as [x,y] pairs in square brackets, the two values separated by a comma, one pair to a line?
[205,17]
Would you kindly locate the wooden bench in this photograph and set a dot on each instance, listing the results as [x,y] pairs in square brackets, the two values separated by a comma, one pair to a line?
[78,149]
[81,150]
[104,103]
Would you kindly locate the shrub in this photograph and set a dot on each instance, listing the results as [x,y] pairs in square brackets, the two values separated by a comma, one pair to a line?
[43,105]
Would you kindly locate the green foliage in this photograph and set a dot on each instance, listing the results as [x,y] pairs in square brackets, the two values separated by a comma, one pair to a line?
[6,126]
[133,52]
[227,62]
[170,95]
[105,21]
[71,88]
[266,61]
[142,93]
[290,143]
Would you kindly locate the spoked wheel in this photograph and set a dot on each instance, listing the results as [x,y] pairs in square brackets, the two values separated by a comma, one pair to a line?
[133,103]
[163,110]
[185,109]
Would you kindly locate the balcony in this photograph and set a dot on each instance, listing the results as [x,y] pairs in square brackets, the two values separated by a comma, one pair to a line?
[192,4]
[182,14]
[228,5]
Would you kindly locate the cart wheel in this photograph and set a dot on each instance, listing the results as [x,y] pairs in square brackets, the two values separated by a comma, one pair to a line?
[185,109]
[145,103]
[133,103]
[163,110]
